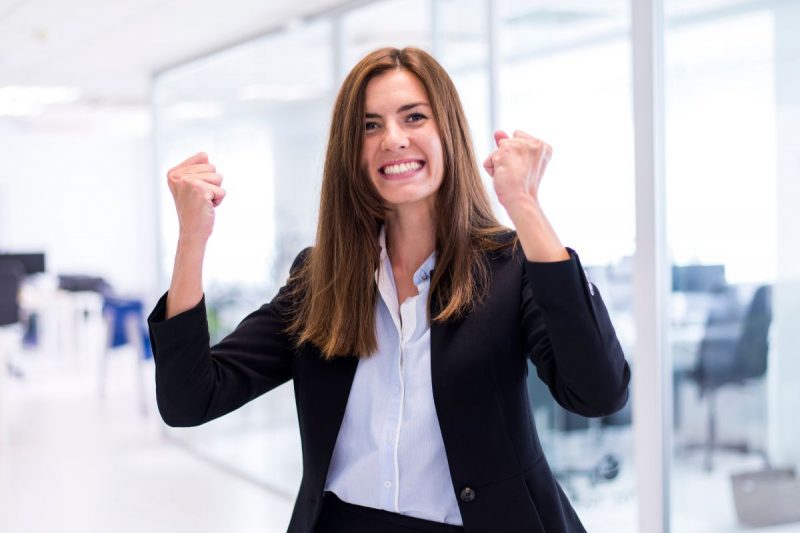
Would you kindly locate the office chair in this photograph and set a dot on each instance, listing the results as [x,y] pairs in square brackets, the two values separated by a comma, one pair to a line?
[733,351]
[598,464]
[125,326]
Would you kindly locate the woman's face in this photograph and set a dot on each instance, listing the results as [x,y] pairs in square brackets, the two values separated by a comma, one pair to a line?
[402,150]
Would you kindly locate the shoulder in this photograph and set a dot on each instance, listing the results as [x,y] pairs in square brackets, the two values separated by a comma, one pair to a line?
[501,246]
[506,237]
[300,260]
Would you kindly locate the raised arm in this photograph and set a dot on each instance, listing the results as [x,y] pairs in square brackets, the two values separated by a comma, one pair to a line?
[195,382]
[570,339]
[568,333]
[196,189]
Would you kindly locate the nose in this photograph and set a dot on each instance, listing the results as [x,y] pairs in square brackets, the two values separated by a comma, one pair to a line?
[394,138]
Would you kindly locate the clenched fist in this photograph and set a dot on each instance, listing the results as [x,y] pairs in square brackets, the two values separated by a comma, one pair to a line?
[196,189]
[517,166]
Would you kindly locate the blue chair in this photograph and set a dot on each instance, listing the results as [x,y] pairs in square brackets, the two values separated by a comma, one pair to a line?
[126,326]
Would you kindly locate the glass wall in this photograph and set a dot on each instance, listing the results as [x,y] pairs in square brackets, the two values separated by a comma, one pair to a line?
[261,111]
[565,78]
[563,73]
[731,167]
[262,114]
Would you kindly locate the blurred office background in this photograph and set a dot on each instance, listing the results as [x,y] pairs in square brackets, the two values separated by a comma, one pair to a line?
[98,100]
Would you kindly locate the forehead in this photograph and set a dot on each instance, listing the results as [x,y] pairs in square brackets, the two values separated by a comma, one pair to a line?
[393,89]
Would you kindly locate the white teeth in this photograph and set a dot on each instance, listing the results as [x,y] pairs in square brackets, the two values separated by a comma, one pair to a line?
[402,167]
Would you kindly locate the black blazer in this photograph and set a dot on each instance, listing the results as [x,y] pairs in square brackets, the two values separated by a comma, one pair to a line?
[547,312]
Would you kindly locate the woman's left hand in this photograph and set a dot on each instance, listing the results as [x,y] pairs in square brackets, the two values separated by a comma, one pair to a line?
[517,167]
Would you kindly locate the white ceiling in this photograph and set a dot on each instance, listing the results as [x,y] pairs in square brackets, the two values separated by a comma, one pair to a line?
[110,48]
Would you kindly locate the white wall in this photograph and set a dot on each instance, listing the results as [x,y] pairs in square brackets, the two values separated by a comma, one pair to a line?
[80,188]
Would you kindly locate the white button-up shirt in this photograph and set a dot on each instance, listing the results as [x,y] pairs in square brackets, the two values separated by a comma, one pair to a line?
[389,453]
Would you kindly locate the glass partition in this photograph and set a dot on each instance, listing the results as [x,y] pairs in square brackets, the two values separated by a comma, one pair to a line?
[261,111]
[731,132]
[565,77]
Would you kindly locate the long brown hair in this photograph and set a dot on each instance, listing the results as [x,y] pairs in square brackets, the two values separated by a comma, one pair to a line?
[335,289]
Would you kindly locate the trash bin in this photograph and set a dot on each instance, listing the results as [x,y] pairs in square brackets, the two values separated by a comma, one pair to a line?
[767,497]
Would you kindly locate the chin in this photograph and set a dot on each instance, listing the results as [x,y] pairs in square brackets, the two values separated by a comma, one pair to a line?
[399,200]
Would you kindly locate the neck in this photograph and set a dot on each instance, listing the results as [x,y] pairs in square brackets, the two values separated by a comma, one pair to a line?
[410,235]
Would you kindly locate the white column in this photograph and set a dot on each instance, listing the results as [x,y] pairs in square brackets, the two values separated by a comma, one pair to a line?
[338,47]
[652,373]
[492,31]
[784,359]
[436,29]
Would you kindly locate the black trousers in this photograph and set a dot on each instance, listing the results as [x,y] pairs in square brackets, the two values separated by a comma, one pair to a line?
[338,516]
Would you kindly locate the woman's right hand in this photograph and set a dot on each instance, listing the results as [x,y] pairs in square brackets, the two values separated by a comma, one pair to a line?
[196,189]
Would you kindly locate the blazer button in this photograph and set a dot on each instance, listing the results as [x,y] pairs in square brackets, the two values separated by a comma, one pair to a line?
[467,495]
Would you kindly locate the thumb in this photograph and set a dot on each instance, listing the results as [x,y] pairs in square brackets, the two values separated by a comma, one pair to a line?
[489,165]
[499,135]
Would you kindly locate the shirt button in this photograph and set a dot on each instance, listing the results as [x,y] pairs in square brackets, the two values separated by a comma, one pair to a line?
[424,276]
[467,495]
[387,484]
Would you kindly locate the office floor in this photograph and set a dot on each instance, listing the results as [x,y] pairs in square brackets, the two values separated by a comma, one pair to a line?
[75,462]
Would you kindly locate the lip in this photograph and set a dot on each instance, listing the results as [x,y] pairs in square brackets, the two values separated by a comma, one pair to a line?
[402,175]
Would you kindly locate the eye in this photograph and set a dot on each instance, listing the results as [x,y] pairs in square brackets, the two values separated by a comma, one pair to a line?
[370,125]
[415,117]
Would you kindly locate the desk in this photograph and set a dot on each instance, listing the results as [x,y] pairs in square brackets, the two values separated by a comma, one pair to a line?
[70,324]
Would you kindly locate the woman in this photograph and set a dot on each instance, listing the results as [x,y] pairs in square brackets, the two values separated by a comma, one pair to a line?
[406,329]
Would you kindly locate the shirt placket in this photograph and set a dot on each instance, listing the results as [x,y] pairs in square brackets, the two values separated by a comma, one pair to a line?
[390,456]
[405,323]
[388,437]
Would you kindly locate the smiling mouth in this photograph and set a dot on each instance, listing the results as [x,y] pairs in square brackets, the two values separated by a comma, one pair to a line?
[400,170]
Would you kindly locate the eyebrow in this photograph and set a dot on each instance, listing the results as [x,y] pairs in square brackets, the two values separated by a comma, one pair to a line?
[402,108]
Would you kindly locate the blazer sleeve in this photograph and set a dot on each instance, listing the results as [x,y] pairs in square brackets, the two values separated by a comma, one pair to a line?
[570,338]
[195,382]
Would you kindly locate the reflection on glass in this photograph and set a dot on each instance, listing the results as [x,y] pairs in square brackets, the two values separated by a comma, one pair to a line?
[727,64]
[565,78]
